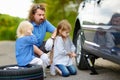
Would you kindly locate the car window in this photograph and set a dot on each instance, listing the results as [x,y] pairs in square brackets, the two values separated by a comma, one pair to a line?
[98,14]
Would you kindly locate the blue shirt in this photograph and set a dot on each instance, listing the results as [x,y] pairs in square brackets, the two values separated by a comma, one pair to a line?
[40,31]
[24,49]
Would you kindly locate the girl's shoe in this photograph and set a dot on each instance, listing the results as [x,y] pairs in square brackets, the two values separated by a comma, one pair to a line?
[52,70]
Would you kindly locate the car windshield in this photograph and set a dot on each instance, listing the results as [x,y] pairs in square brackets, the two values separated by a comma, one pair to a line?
[101,13]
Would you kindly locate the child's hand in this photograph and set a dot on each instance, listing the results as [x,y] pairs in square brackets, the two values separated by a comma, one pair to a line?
[29,32]
[69,54]
[73,54]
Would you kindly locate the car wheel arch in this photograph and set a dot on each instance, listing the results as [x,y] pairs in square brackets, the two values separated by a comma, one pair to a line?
[77,27]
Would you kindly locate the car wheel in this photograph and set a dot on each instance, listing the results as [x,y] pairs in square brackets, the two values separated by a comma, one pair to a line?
[14,72]
[80,58]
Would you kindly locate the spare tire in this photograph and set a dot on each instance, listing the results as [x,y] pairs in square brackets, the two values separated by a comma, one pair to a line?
[14,72]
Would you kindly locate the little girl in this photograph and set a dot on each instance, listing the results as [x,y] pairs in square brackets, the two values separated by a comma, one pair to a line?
[25,46]
[64,50]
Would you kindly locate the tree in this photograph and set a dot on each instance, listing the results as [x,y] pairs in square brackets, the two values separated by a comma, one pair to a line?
[56,10]
[79,1]
[8,26]
[38,1]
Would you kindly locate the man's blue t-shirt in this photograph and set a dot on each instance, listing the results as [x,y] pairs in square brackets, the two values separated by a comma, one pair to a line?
[40,31]
[24,49]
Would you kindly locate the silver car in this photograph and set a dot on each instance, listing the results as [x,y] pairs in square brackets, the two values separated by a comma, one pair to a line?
[97,32]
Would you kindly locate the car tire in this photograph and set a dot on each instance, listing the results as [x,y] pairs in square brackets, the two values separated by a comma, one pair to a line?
[80,59]
[14,72]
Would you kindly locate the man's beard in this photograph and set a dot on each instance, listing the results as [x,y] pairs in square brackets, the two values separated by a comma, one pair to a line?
[41,20]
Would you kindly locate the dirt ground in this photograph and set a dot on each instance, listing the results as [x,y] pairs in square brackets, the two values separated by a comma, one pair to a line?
[106,69]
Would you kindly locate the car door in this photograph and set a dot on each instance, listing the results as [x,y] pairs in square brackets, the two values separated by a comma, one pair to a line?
[94,18]
[97,31]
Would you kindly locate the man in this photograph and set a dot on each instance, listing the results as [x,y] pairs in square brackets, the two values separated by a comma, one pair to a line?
[41,26]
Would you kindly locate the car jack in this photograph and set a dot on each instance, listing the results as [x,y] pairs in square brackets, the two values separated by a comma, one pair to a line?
[91,66]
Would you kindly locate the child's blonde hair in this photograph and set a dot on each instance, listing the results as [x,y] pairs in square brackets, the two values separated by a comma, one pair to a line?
[22,28]
[63,26]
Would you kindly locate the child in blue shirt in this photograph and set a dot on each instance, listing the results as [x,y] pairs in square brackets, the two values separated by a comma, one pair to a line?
[25,46]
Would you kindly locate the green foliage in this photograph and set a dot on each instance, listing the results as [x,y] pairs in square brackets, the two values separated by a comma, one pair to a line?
[56,11]
[8,26]
[38,1]
[61,9]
